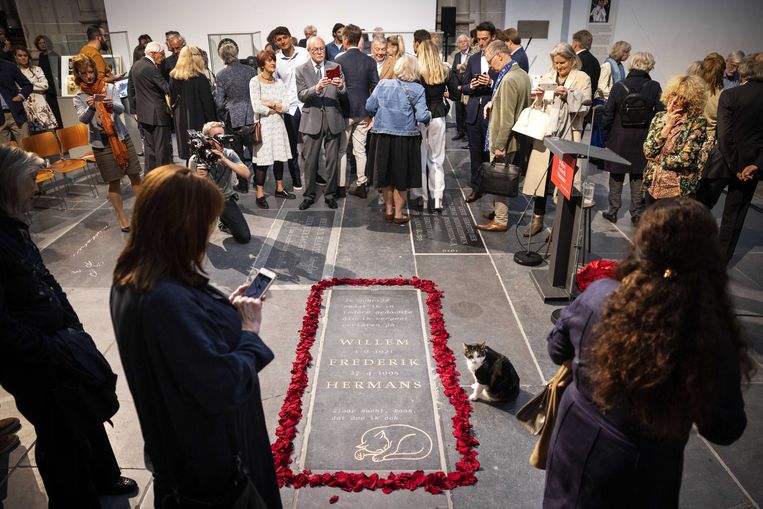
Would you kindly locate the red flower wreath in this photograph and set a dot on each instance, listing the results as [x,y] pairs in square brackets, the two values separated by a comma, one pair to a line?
[291,411]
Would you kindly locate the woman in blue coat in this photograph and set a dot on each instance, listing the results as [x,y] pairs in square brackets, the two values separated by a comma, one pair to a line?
[653,353]
[191,354]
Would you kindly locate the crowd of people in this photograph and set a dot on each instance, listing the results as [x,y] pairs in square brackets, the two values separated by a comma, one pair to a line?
[192,355]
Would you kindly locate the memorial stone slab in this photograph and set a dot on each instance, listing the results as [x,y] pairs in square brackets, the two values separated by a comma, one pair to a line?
[298,255]
[373,406]
[452,231]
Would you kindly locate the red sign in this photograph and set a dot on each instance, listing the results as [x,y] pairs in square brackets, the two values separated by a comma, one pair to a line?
[563,174]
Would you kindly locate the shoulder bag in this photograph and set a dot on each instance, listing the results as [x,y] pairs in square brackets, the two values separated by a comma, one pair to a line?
[533,123]
[539,414]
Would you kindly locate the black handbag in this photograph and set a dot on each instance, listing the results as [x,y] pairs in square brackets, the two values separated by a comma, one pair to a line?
[499,178]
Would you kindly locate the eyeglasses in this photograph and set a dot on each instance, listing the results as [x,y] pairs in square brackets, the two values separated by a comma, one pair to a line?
[318,50]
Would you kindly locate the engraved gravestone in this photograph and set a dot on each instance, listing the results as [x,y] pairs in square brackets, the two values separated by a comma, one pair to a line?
[373,407]
[452,231]
[299,252]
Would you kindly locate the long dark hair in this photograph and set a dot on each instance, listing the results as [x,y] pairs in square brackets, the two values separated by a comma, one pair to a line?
[173,217]
[661,331]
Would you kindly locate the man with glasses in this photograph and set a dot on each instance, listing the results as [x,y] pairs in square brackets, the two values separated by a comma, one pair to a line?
[322,123]
[288,58]
[97,41]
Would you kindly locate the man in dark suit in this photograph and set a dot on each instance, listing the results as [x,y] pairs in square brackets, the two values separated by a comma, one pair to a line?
[740,140]
[458,61]
[581,43]
[175,43]
[478,84]
[514,43]
[14,88]
[360,76]
[50,64]
[147,92]
[322,123]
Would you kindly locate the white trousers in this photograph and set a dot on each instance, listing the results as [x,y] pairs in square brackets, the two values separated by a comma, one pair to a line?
[355,131]
[432,155]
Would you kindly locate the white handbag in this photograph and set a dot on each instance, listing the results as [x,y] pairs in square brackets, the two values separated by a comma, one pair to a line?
[533,123]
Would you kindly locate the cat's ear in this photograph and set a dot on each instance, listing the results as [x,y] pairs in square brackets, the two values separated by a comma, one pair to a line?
[483,344]
[466,346]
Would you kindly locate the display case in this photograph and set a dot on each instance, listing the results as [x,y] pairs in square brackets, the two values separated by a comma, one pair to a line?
[249,44]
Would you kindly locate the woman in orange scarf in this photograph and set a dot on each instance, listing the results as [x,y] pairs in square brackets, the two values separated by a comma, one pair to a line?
[99,107]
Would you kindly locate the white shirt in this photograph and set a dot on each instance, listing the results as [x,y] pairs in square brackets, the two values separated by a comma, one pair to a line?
[379,66]
[463,55]
[285,71]
[484,67]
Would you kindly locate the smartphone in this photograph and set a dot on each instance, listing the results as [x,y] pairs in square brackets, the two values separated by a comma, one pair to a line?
[261,283]
[547,86]
[98,97]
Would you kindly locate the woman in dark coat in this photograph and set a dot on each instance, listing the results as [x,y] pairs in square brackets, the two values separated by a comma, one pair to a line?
[628,141]
[76,462]
[653,353]
[190,354]
[190,96]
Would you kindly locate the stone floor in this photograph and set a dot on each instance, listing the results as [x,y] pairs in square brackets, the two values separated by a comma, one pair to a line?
[486,296]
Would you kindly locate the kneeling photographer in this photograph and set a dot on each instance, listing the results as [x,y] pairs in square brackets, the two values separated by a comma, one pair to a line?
[223,166]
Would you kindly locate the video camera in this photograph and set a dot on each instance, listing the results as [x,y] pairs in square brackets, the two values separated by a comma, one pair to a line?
[202,148]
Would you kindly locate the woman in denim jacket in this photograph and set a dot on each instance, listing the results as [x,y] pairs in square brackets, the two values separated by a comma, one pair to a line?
[394,153]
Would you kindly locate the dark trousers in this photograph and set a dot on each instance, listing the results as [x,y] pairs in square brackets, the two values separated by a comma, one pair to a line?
[477,154]
[233,219]
[460,117]
[73,464]
[616,183]
[157,145]
[735,209]
[292,130]
[244,152]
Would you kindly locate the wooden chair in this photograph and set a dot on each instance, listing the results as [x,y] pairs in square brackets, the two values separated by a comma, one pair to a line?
[77,137]
[46,145]
[46,175]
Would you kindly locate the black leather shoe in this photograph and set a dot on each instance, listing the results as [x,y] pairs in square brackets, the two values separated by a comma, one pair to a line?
[320,180]
[306,203]
[342,192]
[465,147]
[359,190]
[331,203]
[262,203]
[285,194]
[9,425]
[610,216]
[123,486]
[459,136]
[473,197]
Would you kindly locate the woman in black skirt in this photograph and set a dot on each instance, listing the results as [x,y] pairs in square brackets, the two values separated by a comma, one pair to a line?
[394,153]
[98,105]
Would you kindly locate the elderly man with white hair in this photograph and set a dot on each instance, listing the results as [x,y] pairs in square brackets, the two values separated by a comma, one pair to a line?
[458,61]
[310,31]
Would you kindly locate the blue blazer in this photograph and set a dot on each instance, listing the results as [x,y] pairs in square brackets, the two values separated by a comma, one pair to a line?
[360,78]
[521,58]
[479,96]
[12,83]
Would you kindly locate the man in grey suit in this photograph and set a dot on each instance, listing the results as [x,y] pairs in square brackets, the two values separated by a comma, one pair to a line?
[322,121]
[147,92]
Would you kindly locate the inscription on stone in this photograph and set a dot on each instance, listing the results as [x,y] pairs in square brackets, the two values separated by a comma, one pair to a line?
[299,253]
[452,231]
[373,407]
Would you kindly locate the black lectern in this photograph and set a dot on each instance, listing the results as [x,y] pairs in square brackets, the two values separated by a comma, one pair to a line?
[556,282]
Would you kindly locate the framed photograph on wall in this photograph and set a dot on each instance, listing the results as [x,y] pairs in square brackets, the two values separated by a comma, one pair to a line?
[600,10]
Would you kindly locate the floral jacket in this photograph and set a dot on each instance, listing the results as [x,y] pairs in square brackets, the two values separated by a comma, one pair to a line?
[683,152]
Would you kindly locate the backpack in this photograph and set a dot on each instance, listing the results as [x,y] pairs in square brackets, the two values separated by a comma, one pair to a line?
[636,110]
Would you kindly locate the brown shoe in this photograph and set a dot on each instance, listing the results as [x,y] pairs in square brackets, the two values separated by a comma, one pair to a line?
[8,443]
[359,190]
[9,425]
[488,215]
[389,217]
[402,219]
[473,197]
[536,226]
[492,226]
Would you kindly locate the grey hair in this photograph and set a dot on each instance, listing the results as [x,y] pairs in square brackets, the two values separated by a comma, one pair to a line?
[16,167]
[228,52]
[735,57]
[311,42]
[564,50]
[310,28]
[497,48]
[407,68]
[642,61]
[464,36]
[211,125]
[619,49]
[380,39]
[751,68]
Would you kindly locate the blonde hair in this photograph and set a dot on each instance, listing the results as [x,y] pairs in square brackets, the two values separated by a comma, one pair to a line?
[690,87]
[397,42]
[433,70]
[565,51]
[189,65]
[407,68]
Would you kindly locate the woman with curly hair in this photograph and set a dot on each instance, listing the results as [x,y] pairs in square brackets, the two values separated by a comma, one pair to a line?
[675,147]
[652,353]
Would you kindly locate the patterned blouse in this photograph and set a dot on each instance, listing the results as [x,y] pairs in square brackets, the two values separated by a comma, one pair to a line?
[677,159]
